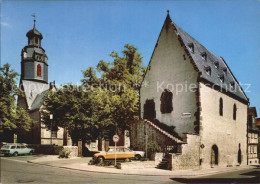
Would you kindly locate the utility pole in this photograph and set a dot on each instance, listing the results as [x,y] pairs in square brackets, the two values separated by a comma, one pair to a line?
[51,117]
[146,140]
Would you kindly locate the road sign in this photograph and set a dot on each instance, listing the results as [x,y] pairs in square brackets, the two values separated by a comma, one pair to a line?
[115,138]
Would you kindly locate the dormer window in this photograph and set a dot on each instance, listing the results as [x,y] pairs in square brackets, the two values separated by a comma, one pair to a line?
[191,47]
[225,71]
[208,70]
[221,77]
[232,85]
[204,56]
[216,63]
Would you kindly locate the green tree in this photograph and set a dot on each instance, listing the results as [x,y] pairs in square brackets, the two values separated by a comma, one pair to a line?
[12,118]
[100,103]
[117,87]
[72,108]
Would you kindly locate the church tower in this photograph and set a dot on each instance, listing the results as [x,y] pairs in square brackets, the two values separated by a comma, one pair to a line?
[34,85]
[34,61]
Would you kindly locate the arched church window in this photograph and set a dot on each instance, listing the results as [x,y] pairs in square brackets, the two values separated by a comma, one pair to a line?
[234,112]
[166,102]
[39,70]
[221,107]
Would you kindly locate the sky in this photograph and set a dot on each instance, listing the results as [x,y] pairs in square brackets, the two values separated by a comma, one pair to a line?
[78,34]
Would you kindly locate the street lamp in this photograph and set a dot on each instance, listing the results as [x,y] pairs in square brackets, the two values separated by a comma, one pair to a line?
[51,118]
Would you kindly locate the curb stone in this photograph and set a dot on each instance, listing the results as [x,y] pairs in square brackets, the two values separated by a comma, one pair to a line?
[170,176]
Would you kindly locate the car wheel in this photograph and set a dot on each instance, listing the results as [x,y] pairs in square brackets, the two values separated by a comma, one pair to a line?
[137,157]
[100,159]
[15,154]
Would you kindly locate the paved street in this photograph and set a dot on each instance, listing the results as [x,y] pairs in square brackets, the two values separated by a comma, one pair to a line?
[243,176]
[17,170]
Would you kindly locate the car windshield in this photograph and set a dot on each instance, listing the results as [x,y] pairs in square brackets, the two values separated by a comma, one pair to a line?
[5,147]
[12,147]
[111,150]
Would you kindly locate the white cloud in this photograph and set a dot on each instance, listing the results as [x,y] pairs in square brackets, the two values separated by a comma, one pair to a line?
[5,24]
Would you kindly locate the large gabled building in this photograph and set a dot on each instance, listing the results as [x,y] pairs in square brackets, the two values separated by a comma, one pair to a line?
[193,92]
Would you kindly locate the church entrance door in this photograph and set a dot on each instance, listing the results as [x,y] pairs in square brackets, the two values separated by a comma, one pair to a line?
[214,155]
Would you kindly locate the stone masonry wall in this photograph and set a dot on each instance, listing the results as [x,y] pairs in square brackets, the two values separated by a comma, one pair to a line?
[224,132]
[138,132]
[190,156]
[73,150]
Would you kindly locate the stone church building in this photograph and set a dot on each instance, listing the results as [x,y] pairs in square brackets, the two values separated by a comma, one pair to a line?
[34,84]
[191,105]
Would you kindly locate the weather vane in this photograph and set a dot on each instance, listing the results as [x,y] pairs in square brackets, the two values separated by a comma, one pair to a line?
[34,16]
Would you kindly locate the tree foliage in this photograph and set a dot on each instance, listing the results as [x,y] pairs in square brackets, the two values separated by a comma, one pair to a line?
[72,108]
[117,86]
[12,118]
[102,103]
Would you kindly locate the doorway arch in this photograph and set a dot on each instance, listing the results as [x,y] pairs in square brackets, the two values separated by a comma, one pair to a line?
[214,155]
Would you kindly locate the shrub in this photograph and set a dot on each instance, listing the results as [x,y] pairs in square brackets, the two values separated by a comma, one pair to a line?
[153,147]
[106,163]
[64,153]
[92,162]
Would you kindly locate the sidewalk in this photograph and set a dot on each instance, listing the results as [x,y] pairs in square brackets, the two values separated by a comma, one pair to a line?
[81,164]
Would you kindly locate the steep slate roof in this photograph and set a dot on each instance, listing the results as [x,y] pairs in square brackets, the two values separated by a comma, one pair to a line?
[206,62]
[38,100]
[34,92]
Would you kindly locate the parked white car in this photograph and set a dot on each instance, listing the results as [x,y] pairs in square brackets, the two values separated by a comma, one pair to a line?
[139,154]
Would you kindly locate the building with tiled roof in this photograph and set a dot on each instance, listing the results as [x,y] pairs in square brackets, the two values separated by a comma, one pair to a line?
[194,93]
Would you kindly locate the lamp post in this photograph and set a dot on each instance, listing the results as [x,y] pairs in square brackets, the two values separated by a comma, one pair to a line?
[51,118]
